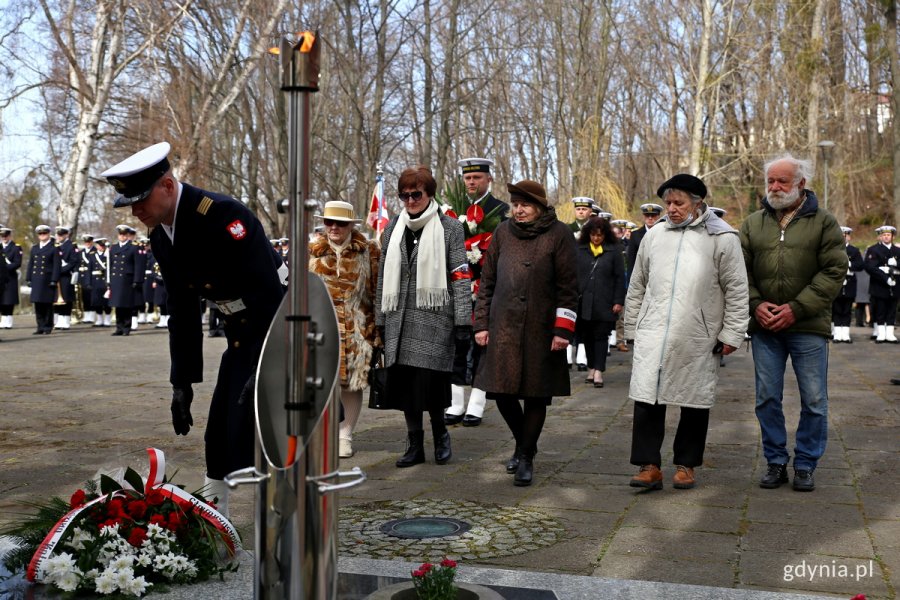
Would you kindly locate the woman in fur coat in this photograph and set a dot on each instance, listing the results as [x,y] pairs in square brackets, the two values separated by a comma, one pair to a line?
[348,264]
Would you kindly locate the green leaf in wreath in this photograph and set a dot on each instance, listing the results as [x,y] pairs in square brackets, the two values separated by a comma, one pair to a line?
[108,485]
[134,480]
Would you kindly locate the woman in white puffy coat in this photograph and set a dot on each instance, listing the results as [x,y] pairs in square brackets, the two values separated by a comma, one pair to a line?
[687,303]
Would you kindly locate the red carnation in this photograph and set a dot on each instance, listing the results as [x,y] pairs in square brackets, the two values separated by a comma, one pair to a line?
[137,509]
[450,564]
[155,497]
[137,537]
[175,521]
[77,499]
[418,573]
[110,523]
[426,567]
[158,520]
[115,508]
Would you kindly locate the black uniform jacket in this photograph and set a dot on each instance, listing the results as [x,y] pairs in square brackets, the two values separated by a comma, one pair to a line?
[854,256]
[634,242]
[220,253]
[13,254]
[878,256]
[43,272]
[69,257]
[124,273]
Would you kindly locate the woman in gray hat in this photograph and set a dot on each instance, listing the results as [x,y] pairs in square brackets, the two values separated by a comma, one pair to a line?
[525,318]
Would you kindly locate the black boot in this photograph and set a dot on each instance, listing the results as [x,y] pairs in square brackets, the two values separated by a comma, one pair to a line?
[512,464]
[442,452]
[525,470]
[415,450]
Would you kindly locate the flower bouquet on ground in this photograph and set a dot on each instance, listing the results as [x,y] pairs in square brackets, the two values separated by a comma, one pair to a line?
[111,538]
[435,582]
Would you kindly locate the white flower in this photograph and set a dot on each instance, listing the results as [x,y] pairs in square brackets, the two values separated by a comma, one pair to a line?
[122,562]
[138,586]
[123,578]
[92,574]
[79,537]
[105,583]
[472,225]
[473,255]
[462,218]
[68,582]
[144,560]
[110,530]
[154,530]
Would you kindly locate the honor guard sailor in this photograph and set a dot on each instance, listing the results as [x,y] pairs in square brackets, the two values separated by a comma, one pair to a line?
[208,246]
[842,307]
[651,213]
[477,178]
[86,278]
[69,257]
[4,273]
[43,279]
[11,254]
[125,277]
[583,211]
[99,265]
[883,267]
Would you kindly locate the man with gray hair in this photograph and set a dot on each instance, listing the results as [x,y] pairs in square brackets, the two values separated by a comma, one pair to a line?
[795,258]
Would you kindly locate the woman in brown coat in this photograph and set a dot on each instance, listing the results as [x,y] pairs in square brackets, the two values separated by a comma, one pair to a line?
[525,318]
[348,264]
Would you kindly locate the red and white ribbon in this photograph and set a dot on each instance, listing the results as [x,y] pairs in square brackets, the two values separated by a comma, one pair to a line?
[185,500]
[565,319]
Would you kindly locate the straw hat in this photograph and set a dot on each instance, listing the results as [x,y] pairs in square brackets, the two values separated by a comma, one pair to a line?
[338,210]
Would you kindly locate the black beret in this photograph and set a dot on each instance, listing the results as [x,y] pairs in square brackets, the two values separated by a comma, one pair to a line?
[685,183]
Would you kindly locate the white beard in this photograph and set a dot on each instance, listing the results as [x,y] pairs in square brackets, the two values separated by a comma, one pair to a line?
[781,200]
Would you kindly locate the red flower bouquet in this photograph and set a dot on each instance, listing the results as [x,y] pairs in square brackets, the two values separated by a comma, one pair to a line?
[435,582]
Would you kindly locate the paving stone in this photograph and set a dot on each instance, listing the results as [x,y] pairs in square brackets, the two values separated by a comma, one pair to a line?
[656,568]
[845,540]
[683,517]
[646,541]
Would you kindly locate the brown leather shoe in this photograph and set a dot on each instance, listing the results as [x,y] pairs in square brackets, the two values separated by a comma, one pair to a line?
[684,478]
[649,477]
[622,347]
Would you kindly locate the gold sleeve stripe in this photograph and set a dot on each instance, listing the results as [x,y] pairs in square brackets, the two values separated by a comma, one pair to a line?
[204,205]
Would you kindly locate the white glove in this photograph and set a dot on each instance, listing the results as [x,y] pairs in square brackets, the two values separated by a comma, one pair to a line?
[892,261]
[884,270]
[891,282]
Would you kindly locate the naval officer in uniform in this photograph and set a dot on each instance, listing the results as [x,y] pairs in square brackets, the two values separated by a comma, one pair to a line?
[43,279]
[477,178]
[191,227]
[11,254]
[882,262]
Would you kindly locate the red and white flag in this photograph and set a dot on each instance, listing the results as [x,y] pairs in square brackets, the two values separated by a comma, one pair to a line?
[378,212]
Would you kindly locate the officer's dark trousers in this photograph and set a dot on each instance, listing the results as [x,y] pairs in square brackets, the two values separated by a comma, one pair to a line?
[841,311]
[230,430]
[43,313]
[649,429]
[63,310]
[884,310]
[6,309]
[123,318]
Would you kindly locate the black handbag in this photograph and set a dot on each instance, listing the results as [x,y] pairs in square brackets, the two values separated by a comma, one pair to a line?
[378,392]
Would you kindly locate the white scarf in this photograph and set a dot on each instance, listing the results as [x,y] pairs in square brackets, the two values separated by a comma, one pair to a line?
[431,268]
[338,251]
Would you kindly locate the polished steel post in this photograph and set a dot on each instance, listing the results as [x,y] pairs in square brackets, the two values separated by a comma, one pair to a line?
[297,389]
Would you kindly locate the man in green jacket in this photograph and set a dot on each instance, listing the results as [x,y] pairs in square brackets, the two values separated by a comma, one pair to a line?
[796,263]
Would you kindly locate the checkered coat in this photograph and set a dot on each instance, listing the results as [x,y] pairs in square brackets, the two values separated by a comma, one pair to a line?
[419,337]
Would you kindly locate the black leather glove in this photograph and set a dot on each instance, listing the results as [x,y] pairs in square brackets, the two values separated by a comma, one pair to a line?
[181,409]
[249,390]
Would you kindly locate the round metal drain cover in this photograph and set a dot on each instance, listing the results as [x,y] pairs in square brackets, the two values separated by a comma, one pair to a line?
[417,528]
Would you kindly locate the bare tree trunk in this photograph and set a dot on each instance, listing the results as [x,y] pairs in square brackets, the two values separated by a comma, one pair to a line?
[890,14]
[816,47]
[700,94]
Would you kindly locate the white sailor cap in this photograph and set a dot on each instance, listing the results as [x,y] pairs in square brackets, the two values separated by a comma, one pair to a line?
[630,225]
[134,177]
[651,208]
[123,229]
[475,165]
[62,229]
[583,202]
[603,214]
[100,240]
[87,237]
[886,229]
[619,222]
[720,212]
[284,241]
[845,229]
[4,230]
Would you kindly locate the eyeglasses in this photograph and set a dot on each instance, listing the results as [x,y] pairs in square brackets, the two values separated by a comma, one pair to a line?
[330,223]
[407,196]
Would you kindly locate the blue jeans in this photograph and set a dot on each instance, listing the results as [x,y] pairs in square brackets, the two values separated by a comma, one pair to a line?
[809,356]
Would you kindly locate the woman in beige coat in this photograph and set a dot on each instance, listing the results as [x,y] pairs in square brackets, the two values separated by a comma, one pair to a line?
[687,303]
[348,264]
